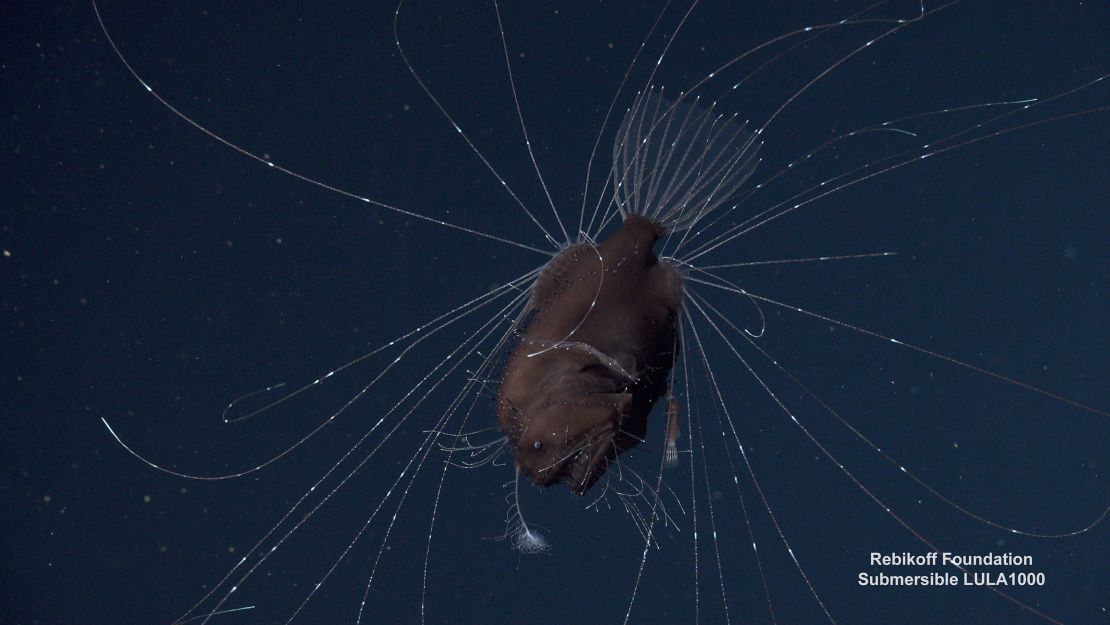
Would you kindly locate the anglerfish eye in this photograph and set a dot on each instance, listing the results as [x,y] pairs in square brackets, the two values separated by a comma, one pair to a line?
[536,445]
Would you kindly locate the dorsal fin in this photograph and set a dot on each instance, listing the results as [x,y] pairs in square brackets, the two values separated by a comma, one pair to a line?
[676,161]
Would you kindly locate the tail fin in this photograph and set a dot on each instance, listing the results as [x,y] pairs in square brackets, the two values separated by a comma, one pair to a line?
[675,162]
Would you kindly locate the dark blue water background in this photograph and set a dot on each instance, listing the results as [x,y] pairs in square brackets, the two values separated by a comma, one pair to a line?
[150,275]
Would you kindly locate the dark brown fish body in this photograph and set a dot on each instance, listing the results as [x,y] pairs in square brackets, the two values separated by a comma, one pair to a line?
[594,357]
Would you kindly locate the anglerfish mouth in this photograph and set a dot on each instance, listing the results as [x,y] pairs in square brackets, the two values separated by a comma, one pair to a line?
[584,468]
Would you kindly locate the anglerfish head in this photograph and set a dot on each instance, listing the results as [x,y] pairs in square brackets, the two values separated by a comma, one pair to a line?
[563,427]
